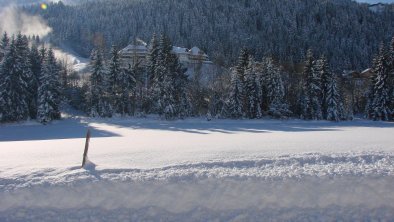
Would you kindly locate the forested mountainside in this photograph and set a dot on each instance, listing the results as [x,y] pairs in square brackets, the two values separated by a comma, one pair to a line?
[348,33]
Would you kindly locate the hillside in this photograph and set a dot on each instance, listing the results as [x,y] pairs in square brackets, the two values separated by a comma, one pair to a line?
[347,32]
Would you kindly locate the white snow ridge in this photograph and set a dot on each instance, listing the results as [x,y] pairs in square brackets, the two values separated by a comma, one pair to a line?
[194,170]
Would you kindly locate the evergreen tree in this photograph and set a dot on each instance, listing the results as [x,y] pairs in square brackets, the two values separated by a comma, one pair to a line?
[4,44]
[26,83]
[252,91]
[241,67]
[391,76]
[42,52]
[35,67]
[311,92]
[127,83]
[160,74]
[278,107]
[49,90]
[99,98]
[234,104]
[380,106]
[151,75]
[369,110]
[326,76]
[334,108]
[243,61]
[152,58]
[8,85]
[15,77]
[115,81]
[180,82]
[169,105]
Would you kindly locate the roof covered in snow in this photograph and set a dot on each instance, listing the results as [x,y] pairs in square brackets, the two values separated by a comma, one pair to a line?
[179,50]
[135,48]
[196,51]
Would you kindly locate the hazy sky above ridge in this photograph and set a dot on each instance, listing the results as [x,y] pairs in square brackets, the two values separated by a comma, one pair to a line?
[376,1]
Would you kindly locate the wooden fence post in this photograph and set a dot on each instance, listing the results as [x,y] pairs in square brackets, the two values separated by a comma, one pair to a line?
[85,153]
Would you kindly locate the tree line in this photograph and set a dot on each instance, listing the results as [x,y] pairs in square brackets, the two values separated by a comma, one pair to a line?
[33,84]
[252,89]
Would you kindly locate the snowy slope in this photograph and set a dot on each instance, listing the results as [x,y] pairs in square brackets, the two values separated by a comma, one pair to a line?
[148,169]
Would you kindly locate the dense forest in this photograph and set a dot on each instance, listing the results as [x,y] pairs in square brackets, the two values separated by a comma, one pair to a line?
[33,85]
[272,60]
[346,32]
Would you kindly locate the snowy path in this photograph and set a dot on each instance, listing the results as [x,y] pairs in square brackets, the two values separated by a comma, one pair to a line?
[149,169]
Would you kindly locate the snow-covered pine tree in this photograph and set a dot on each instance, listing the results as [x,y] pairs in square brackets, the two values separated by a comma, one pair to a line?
[252,91]
[114,81]
[42,52]
[391,76]
[325,74]
[381,91]
[100,104]
[8,85]
[234,103]
[262,77]
[180,82]
[169,104]
[24,75]
[126,84]
[278,107]
[160,73]
[369,110]
[242,64]
[35,67]
[311,92]
[4,44]
[152,58]
[333,103]
[49,90]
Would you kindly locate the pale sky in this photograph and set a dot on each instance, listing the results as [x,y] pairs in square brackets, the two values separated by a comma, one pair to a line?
[376,1]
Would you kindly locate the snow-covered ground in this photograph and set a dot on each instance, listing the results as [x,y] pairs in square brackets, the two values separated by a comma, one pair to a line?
[195,170]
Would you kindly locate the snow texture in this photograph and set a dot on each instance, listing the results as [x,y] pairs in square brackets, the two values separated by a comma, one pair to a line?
[196,170]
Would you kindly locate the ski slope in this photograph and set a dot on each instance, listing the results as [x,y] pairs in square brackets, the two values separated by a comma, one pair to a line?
[197,170]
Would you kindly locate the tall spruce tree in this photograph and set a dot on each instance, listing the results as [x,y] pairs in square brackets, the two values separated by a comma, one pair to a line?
[23,71]
[4,44]
[169,105]
[275,90]
[180,83]
[234,104]
[15,77]
[114,81]
[8,85]
[99,98]
[160,73]
[380,106]
[49,90]
[333,104]
[327,82]
[252,91]
[391,76]
[241,67]
[127,83]
[311,92]
[150,74]
[152,58]
[35,67]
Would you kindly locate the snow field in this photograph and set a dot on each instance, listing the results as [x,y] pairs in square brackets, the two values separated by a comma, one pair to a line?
[223,170]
